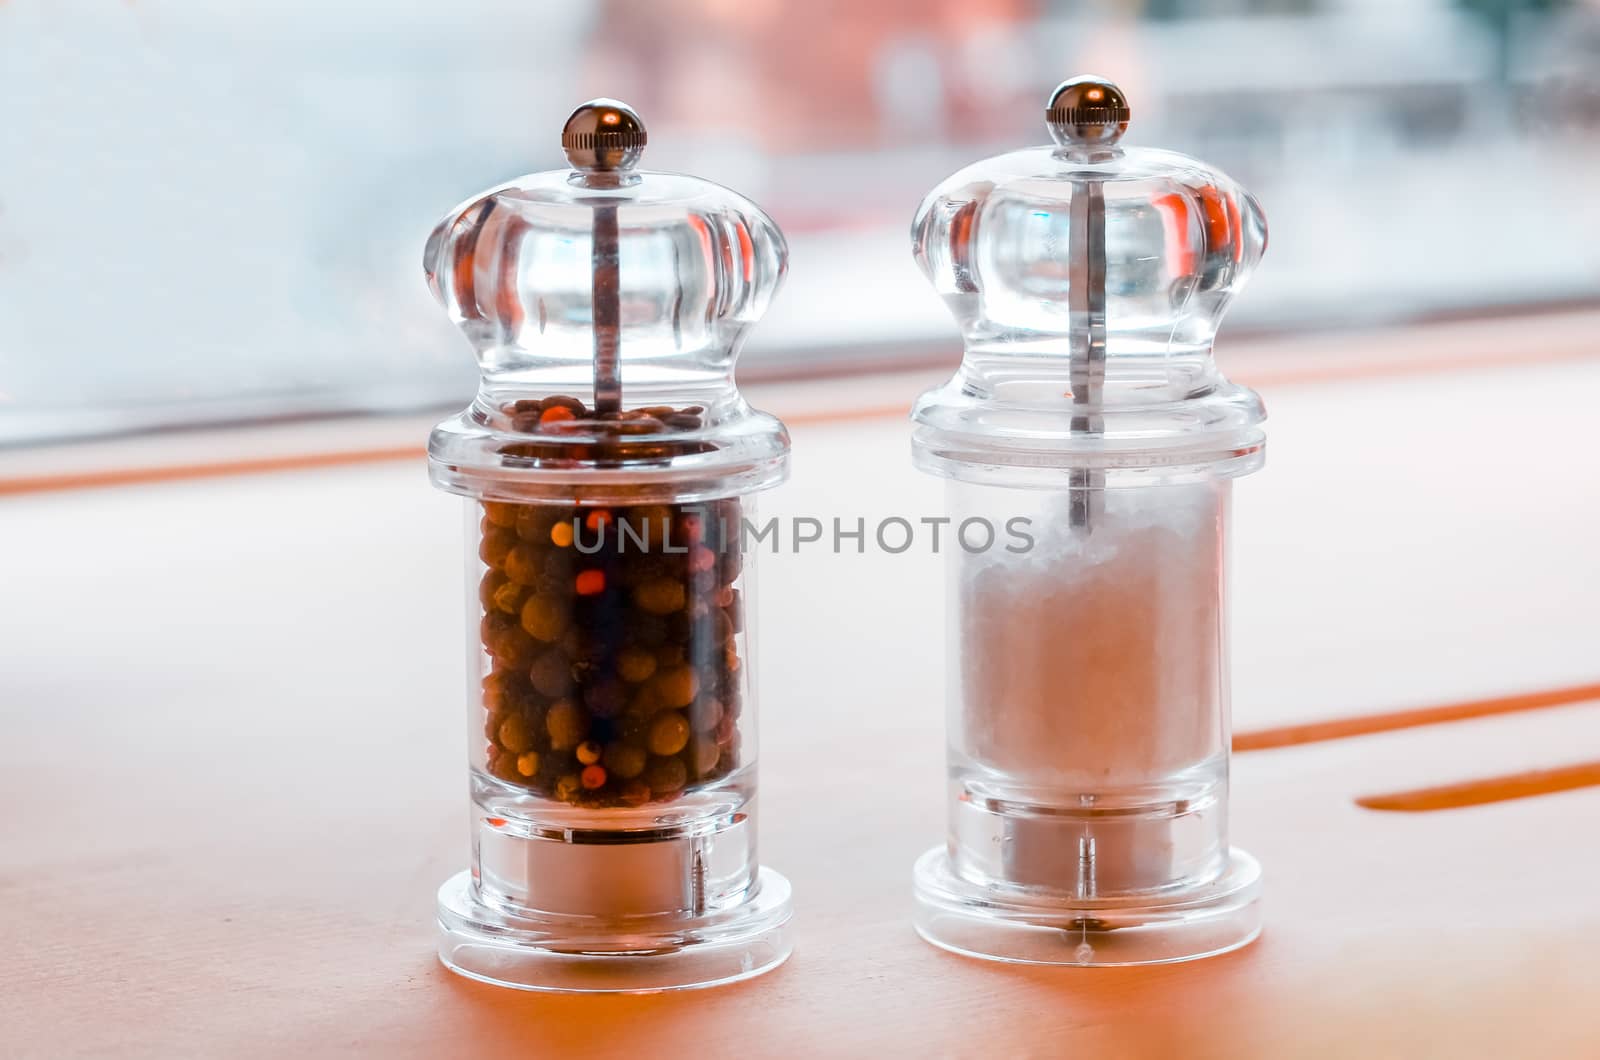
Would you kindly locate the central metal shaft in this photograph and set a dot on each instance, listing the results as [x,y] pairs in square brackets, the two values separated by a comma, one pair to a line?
[1086,304]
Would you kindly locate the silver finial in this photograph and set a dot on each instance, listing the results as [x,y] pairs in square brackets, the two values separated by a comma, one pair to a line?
[603,135]
[1087,111]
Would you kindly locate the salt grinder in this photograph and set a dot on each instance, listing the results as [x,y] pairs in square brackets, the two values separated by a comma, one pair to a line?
[1087,665]
[609,461]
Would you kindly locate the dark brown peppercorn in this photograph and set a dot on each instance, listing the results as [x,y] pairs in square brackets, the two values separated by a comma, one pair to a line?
[625,760]
[551,672]
[665,775]
[606,697]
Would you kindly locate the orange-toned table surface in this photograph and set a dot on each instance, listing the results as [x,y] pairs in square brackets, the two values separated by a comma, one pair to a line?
[231,763]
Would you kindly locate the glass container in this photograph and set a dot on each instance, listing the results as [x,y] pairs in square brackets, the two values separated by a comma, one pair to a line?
[609,462]
[1087,720]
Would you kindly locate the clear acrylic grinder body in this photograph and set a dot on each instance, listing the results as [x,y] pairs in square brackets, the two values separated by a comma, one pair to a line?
[1088,714]
[608,460]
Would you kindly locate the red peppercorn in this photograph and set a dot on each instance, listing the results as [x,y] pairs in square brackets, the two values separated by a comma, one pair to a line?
[556,413]
[593,776]
[590,582]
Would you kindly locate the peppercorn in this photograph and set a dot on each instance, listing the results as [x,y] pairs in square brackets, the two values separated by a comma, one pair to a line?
[677,686]
[508,598]
[522,564]
[661,596]
[590,582]
[704,714]
[534,522]
[636,664]
[704,753]
[625,760]
[606,697]
[593,777]
[561,534]
[504,766]
[504,639]
[556,414]
[635,793]
[566,724]
[514,735]
[729,563]
[528,763]
[500,514]
[496,691]
[551,672]
[588,752]
[567,787]
[491,583]
[665,775]
[496,542]
[543,618]
[669,732]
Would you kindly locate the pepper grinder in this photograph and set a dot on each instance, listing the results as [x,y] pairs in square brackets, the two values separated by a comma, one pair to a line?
[609,462]
[1088,714]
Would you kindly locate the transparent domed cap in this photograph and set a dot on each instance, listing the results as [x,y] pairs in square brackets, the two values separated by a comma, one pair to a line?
[606,306]
[1088,279]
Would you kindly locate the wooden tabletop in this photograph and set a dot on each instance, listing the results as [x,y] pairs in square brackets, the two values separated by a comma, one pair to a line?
[232,763]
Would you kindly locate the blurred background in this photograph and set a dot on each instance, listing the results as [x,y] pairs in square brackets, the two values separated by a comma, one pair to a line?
[215,213]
